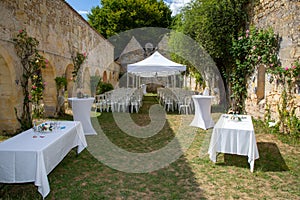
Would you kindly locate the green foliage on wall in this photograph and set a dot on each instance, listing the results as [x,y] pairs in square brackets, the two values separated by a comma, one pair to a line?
[32,63]
[104,87]
[213,24]
[252,48]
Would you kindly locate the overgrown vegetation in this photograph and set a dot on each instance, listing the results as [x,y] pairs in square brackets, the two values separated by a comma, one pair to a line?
[252,48]
[222,28]
[288,122]
[98,86]
[103,87]
[61,84]
[213,24]
[31,76]
[78,59]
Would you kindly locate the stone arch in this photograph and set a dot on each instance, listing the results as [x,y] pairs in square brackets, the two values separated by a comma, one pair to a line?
[260,92]
[70,81]
[49,94]
[104,78]
[97,73]
[8,95]
[110,80]
[114,76]
[86,82]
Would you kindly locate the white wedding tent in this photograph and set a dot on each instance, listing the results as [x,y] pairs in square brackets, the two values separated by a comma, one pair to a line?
[154,66]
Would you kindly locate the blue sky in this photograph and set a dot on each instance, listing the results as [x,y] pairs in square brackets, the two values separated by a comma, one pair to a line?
[84,6]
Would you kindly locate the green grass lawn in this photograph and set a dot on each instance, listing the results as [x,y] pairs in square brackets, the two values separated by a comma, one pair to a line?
[191,176]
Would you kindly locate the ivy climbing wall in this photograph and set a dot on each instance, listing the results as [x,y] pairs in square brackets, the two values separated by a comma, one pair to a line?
[283,16]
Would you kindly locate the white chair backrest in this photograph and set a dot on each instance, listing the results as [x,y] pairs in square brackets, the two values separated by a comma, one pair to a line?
[206,92]
[187,100]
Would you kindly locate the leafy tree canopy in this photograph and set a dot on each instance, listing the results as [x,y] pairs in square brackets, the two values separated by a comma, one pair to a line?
[115,16]
[213,23]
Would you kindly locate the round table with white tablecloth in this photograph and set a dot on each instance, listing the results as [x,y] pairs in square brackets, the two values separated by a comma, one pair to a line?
[81,108]
[202,118]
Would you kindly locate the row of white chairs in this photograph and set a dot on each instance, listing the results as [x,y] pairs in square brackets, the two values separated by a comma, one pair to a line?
[176,99]
[119,100]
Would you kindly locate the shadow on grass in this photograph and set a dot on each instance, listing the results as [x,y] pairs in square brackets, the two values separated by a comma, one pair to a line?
[85,177]
[270,159]
[173,181]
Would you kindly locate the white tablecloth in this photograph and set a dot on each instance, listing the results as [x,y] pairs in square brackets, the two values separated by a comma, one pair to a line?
[81,108]
[234,137]
[202,118]
[28,159]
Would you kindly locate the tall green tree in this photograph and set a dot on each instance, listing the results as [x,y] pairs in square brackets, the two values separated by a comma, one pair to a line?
[115,16]
[213,24]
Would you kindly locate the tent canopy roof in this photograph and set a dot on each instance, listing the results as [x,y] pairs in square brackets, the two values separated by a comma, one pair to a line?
[155,65]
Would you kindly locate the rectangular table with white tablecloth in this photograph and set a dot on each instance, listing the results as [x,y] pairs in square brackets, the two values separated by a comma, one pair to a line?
[234,135]
[30,156]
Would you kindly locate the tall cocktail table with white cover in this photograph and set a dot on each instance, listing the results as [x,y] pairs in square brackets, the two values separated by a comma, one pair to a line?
[81,108]
[25,158]
[202,118]
[234,137]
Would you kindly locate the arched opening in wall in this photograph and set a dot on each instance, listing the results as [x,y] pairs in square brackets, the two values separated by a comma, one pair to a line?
[70,81]
[86,82]
[8,122]
[110,80]
[49,94]
[97,73]
[114,76]
[104,78]
[260,93]
[95,82]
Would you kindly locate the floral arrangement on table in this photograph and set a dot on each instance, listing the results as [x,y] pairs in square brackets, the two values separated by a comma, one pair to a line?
[234,115]
[44,127]
[236,118]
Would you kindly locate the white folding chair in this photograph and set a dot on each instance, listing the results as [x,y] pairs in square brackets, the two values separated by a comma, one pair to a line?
[186,106]
[168,103]
[100,103]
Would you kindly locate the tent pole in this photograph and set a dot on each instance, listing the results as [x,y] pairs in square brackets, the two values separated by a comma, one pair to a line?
[174,81]
[127,78]
[134,81]
[185,81]
[139,81]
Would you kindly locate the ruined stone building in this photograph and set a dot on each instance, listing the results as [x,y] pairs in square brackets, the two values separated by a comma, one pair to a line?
[60,31]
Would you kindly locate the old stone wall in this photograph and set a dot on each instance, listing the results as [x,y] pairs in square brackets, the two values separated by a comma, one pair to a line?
[283,16]
[60,31]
